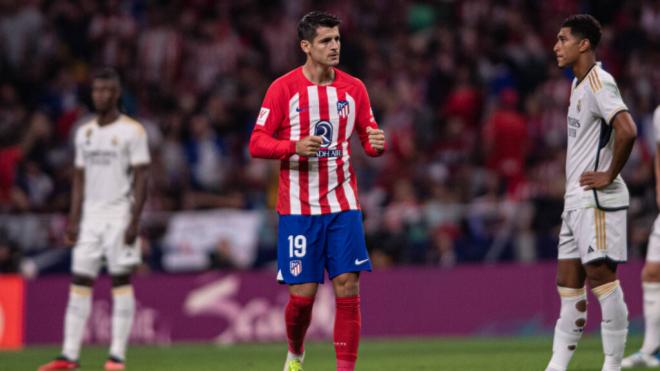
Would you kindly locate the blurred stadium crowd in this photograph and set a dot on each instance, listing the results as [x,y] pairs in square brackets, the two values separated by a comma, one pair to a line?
[468,93]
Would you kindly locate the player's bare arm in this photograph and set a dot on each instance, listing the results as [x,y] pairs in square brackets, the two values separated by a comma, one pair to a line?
[625,133]
[140,179]
[376,138]
[73,227]
[308,146]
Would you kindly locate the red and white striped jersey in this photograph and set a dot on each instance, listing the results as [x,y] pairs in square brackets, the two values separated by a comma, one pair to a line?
[295,108]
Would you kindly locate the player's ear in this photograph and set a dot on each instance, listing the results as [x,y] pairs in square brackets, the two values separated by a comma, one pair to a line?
[305,45]
[584,45]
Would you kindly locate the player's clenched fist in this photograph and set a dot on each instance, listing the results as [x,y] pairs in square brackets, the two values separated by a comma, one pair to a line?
[308,146]
[376,138]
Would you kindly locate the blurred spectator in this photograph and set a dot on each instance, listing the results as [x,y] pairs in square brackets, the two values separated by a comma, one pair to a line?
[505,141]
[9,256]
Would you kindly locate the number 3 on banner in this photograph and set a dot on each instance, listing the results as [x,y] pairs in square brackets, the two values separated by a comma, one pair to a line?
[297,246]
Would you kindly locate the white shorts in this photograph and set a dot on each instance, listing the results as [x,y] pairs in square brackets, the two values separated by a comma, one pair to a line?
[101,239]
[653,249]
[592,234]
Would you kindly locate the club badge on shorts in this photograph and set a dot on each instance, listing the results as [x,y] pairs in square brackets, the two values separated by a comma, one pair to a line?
[295,267]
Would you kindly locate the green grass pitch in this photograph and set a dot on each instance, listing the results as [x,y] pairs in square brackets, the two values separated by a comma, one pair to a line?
[437,354]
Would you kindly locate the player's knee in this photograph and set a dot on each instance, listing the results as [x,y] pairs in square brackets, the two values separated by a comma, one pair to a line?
[601,273]
[305,289]
[81,280]
[651,273]
[600,279]
[346,285]
[121,280]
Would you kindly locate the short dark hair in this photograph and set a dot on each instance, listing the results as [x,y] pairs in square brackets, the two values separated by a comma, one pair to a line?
[313,20]
[584,26]
[106,73]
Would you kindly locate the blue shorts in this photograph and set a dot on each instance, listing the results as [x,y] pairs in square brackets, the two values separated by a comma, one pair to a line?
[309,244]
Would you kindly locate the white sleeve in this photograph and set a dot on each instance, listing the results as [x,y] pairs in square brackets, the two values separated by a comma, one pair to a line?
[608,100]
[79,161]
[656,124]
[139,148]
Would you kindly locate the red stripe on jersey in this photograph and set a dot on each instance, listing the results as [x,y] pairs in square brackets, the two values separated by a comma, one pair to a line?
[341,138]
[323,162]
[283,200]
[304,162]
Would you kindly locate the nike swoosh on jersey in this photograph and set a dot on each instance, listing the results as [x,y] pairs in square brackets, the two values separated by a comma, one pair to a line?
[360,262]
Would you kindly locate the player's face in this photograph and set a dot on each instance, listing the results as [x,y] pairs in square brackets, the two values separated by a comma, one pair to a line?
[325,47]
[567,48]
[105,94]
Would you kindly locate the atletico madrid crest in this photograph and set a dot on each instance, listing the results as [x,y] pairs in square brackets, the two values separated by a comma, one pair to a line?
[343,108]
[295,267]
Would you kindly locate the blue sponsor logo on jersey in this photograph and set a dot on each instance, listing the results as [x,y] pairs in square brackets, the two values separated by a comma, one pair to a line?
[329,153]
[323,129]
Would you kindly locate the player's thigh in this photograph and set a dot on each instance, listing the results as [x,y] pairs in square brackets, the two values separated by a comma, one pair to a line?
[300,249]
[88,251]
[347,249]
[602,235]
[567,248]
[120,257]
[570,273]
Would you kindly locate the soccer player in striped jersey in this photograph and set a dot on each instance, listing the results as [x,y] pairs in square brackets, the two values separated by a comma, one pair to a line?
[306,120]
[649,354]
[109,191]
[592,240]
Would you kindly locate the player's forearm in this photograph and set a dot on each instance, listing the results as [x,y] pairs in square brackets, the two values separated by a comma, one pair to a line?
[624,141]
[265,146]
[371,151]
[76,195]
[141,177]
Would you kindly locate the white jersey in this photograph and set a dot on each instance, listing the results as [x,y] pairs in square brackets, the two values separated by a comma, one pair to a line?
[594,102]
[107,153]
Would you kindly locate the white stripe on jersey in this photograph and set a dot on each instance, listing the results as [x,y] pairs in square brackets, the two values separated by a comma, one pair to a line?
[332,162]
[350,125]
[294,169]
[313,173]
[348,190]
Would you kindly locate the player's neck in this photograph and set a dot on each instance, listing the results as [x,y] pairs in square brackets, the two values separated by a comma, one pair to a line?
[583,65]
[318,74]
[108,117]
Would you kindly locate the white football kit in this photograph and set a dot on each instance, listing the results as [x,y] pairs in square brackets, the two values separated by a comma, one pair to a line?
[593,221]
[107,154]
[653,251]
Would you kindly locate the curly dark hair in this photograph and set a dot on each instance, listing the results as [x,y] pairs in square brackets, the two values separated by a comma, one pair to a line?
[584,26]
